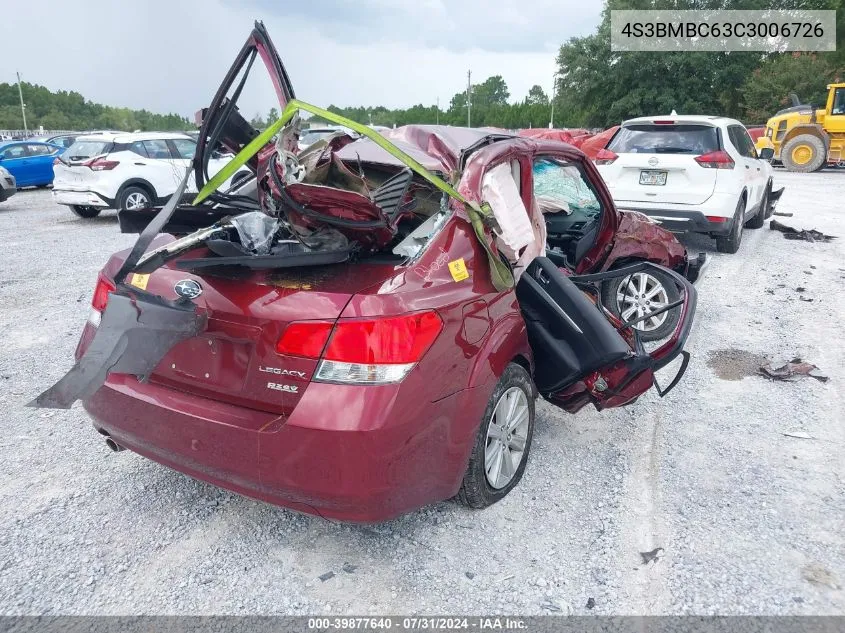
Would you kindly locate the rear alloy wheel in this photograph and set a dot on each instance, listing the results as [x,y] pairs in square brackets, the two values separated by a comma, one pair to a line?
[804,153]
[134,198]
[640,294]
[85,212]
[503,442]
[760,217]
[730,243]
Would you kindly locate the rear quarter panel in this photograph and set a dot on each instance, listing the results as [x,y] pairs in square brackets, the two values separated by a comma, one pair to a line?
[483,329]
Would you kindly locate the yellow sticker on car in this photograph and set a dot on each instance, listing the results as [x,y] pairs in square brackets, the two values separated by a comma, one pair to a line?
[139,280]
[458,268]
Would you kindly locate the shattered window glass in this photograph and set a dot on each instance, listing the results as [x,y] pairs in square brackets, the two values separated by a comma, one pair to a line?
[560,186]
[414,243]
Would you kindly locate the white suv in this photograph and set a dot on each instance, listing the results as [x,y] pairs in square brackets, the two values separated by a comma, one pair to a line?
[690,173]
[124,171]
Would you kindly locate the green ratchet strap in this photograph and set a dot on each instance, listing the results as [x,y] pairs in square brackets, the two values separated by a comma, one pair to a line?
[501,275]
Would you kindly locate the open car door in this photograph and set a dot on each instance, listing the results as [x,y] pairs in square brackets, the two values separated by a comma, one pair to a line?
[582,353]
[221,123]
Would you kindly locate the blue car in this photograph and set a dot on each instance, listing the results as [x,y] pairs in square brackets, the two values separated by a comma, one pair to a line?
[30,162]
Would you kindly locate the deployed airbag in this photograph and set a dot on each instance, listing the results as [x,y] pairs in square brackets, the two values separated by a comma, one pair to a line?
[500,190]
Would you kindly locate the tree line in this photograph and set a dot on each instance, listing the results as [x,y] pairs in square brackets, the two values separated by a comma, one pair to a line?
[63,110]
[594,86]
[597,88]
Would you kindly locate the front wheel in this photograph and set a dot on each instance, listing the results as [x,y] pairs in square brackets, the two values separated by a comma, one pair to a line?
[501,447]
[85,212]
[804,153]
[639,295]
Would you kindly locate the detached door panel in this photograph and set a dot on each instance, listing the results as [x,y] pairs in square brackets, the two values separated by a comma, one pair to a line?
[584,355]
[569,335]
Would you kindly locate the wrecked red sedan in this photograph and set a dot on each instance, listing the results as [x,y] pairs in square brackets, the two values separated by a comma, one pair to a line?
[363,328]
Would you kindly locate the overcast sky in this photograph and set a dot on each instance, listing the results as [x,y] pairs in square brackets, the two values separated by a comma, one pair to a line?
[169,55]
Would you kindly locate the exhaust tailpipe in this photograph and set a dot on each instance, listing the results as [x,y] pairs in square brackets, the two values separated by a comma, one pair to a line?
[114,445]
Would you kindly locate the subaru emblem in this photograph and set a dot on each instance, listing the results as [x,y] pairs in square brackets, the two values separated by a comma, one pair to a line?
[188,289]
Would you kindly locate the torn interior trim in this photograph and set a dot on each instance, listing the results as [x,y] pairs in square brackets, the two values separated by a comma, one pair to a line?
[135,332]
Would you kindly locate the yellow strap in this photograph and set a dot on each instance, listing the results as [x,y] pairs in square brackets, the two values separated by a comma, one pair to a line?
[500,274]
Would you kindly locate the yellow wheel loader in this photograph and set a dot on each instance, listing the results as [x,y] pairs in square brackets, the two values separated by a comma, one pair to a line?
[806,139]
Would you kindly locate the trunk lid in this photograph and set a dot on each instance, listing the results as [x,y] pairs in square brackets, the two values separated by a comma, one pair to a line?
[234,360]
[662,151]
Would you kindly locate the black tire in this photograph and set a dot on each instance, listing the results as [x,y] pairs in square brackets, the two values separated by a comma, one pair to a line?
[85,212]
[760,217]
[730,243]
[817,159]
[130,196]
[476,491]
[610,300]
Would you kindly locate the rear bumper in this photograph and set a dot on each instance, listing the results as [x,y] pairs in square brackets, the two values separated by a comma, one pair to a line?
[80,197]
[687,221]
[682,218]
[322,459]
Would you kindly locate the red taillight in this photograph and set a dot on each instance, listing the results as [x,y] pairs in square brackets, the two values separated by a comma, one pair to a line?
[101,164]
[664,122]
[363,351]
[101,293]
[305,338]
[716,218]
[715,160]
[605,157]
[401,339]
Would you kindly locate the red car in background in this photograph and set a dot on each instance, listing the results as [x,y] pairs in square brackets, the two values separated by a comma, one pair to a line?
[331,336]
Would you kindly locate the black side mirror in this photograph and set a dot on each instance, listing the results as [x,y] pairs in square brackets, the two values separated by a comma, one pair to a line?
[767,153]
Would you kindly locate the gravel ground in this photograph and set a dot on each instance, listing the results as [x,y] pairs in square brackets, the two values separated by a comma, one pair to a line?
[751,521]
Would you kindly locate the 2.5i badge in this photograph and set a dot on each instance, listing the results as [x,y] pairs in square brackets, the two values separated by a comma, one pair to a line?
[286,388]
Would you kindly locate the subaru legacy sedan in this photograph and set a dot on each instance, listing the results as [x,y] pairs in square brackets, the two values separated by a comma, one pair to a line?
[364,326]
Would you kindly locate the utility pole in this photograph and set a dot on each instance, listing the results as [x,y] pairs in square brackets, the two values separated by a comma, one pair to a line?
[23,106]
[554,89]
[469,98]
[437,116]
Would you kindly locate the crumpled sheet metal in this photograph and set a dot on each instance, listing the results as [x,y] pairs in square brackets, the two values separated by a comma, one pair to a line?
[805,235]
[133,336]
[795,368]
[640,238]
